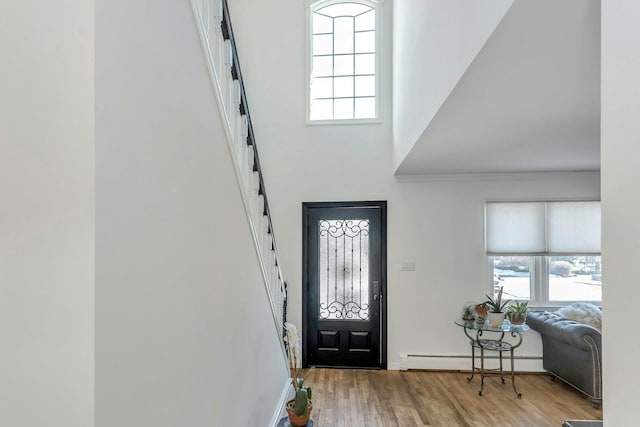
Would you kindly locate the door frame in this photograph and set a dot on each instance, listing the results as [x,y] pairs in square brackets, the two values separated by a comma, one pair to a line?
[382,205]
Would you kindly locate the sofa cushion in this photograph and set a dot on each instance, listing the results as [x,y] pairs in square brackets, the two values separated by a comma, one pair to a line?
[583,312]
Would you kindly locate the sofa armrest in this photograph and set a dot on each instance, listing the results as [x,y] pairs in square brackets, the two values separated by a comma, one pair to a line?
[576,334]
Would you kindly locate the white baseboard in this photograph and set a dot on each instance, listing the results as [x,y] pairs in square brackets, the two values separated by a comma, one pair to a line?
[463,362]
[284,397]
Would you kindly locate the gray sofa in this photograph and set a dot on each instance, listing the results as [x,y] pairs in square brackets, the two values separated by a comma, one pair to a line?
[571,351]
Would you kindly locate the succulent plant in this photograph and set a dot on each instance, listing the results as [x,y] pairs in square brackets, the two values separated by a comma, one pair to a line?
[497,305]
[303,394]
[518,307]
[299,408]
[517,312]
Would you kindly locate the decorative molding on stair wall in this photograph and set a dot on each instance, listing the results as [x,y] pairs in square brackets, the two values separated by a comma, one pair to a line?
[287,393]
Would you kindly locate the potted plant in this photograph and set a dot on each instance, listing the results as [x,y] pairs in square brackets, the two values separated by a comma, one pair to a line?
[299,408]
[517,312]
[481,310]
[496,308]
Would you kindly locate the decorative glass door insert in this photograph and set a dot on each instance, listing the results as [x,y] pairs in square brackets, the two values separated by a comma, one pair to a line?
[344,269]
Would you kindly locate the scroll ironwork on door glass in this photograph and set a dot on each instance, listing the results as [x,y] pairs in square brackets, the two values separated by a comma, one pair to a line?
[344,269]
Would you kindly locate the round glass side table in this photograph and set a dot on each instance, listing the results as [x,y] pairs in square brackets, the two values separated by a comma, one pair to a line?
[478,339]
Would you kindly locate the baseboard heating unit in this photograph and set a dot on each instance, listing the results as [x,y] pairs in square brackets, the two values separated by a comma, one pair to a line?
[457,362]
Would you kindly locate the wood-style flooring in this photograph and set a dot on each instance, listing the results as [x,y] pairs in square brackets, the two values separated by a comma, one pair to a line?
[362,398]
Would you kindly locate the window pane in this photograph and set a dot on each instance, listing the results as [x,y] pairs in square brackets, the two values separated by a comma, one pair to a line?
[322,66]
[322,88]
[321,109]
[343,108]
[366,21]
[366,64]
[575,278]
[323,45]
[344,65]
[344,9]
[366,86]
[334,65]
[365,108]
[343,87]
[513,273]
[343,32]
[322,24]
[366,42]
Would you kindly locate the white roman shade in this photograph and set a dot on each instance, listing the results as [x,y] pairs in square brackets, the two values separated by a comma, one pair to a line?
[515,228]
[542,228]
[573,228]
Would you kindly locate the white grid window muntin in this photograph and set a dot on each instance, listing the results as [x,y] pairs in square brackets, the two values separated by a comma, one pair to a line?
[343,68]
[538,281]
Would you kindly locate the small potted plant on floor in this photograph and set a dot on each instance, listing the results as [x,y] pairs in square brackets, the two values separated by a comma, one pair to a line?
[496,308]
[299,408]
[517,312]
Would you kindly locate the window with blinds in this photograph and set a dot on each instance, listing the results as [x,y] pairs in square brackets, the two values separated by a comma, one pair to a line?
[545,252]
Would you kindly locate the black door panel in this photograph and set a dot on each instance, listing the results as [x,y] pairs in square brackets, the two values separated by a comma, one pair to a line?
[344,282]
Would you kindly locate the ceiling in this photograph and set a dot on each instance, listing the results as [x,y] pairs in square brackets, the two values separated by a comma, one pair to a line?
[529,101]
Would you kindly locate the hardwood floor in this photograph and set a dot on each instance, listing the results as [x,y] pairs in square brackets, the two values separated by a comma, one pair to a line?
[350,398]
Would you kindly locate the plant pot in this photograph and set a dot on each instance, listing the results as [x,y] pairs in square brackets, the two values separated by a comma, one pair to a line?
[495,319]
[517,319]
[294,419]
[481,311]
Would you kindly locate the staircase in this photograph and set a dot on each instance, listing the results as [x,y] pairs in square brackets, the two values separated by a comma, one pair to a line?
[218,43]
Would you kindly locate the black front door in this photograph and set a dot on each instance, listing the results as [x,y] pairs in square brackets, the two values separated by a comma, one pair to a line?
[344,281]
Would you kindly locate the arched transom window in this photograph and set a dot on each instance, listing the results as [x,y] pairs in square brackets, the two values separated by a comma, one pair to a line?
[343,81]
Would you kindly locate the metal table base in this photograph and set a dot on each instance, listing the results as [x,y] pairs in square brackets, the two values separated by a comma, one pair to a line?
[498,345]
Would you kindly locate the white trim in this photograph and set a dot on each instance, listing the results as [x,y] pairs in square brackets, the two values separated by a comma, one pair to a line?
[380,54]
[307,58]
[372,3]
[499,176]
[339,122]
[217,92]
[539,277]
[377,5]
[284,397]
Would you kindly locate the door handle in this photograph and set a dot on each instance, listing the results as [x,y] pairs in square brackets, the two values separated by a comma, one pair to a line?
[375,285]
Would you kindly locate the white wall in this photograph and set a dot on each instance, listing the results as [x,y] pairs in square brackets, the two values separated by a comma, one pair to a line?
[303,163]
[184,333]
[46,214]
[436,224]
[434,43]
[439,225]
[620,207]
